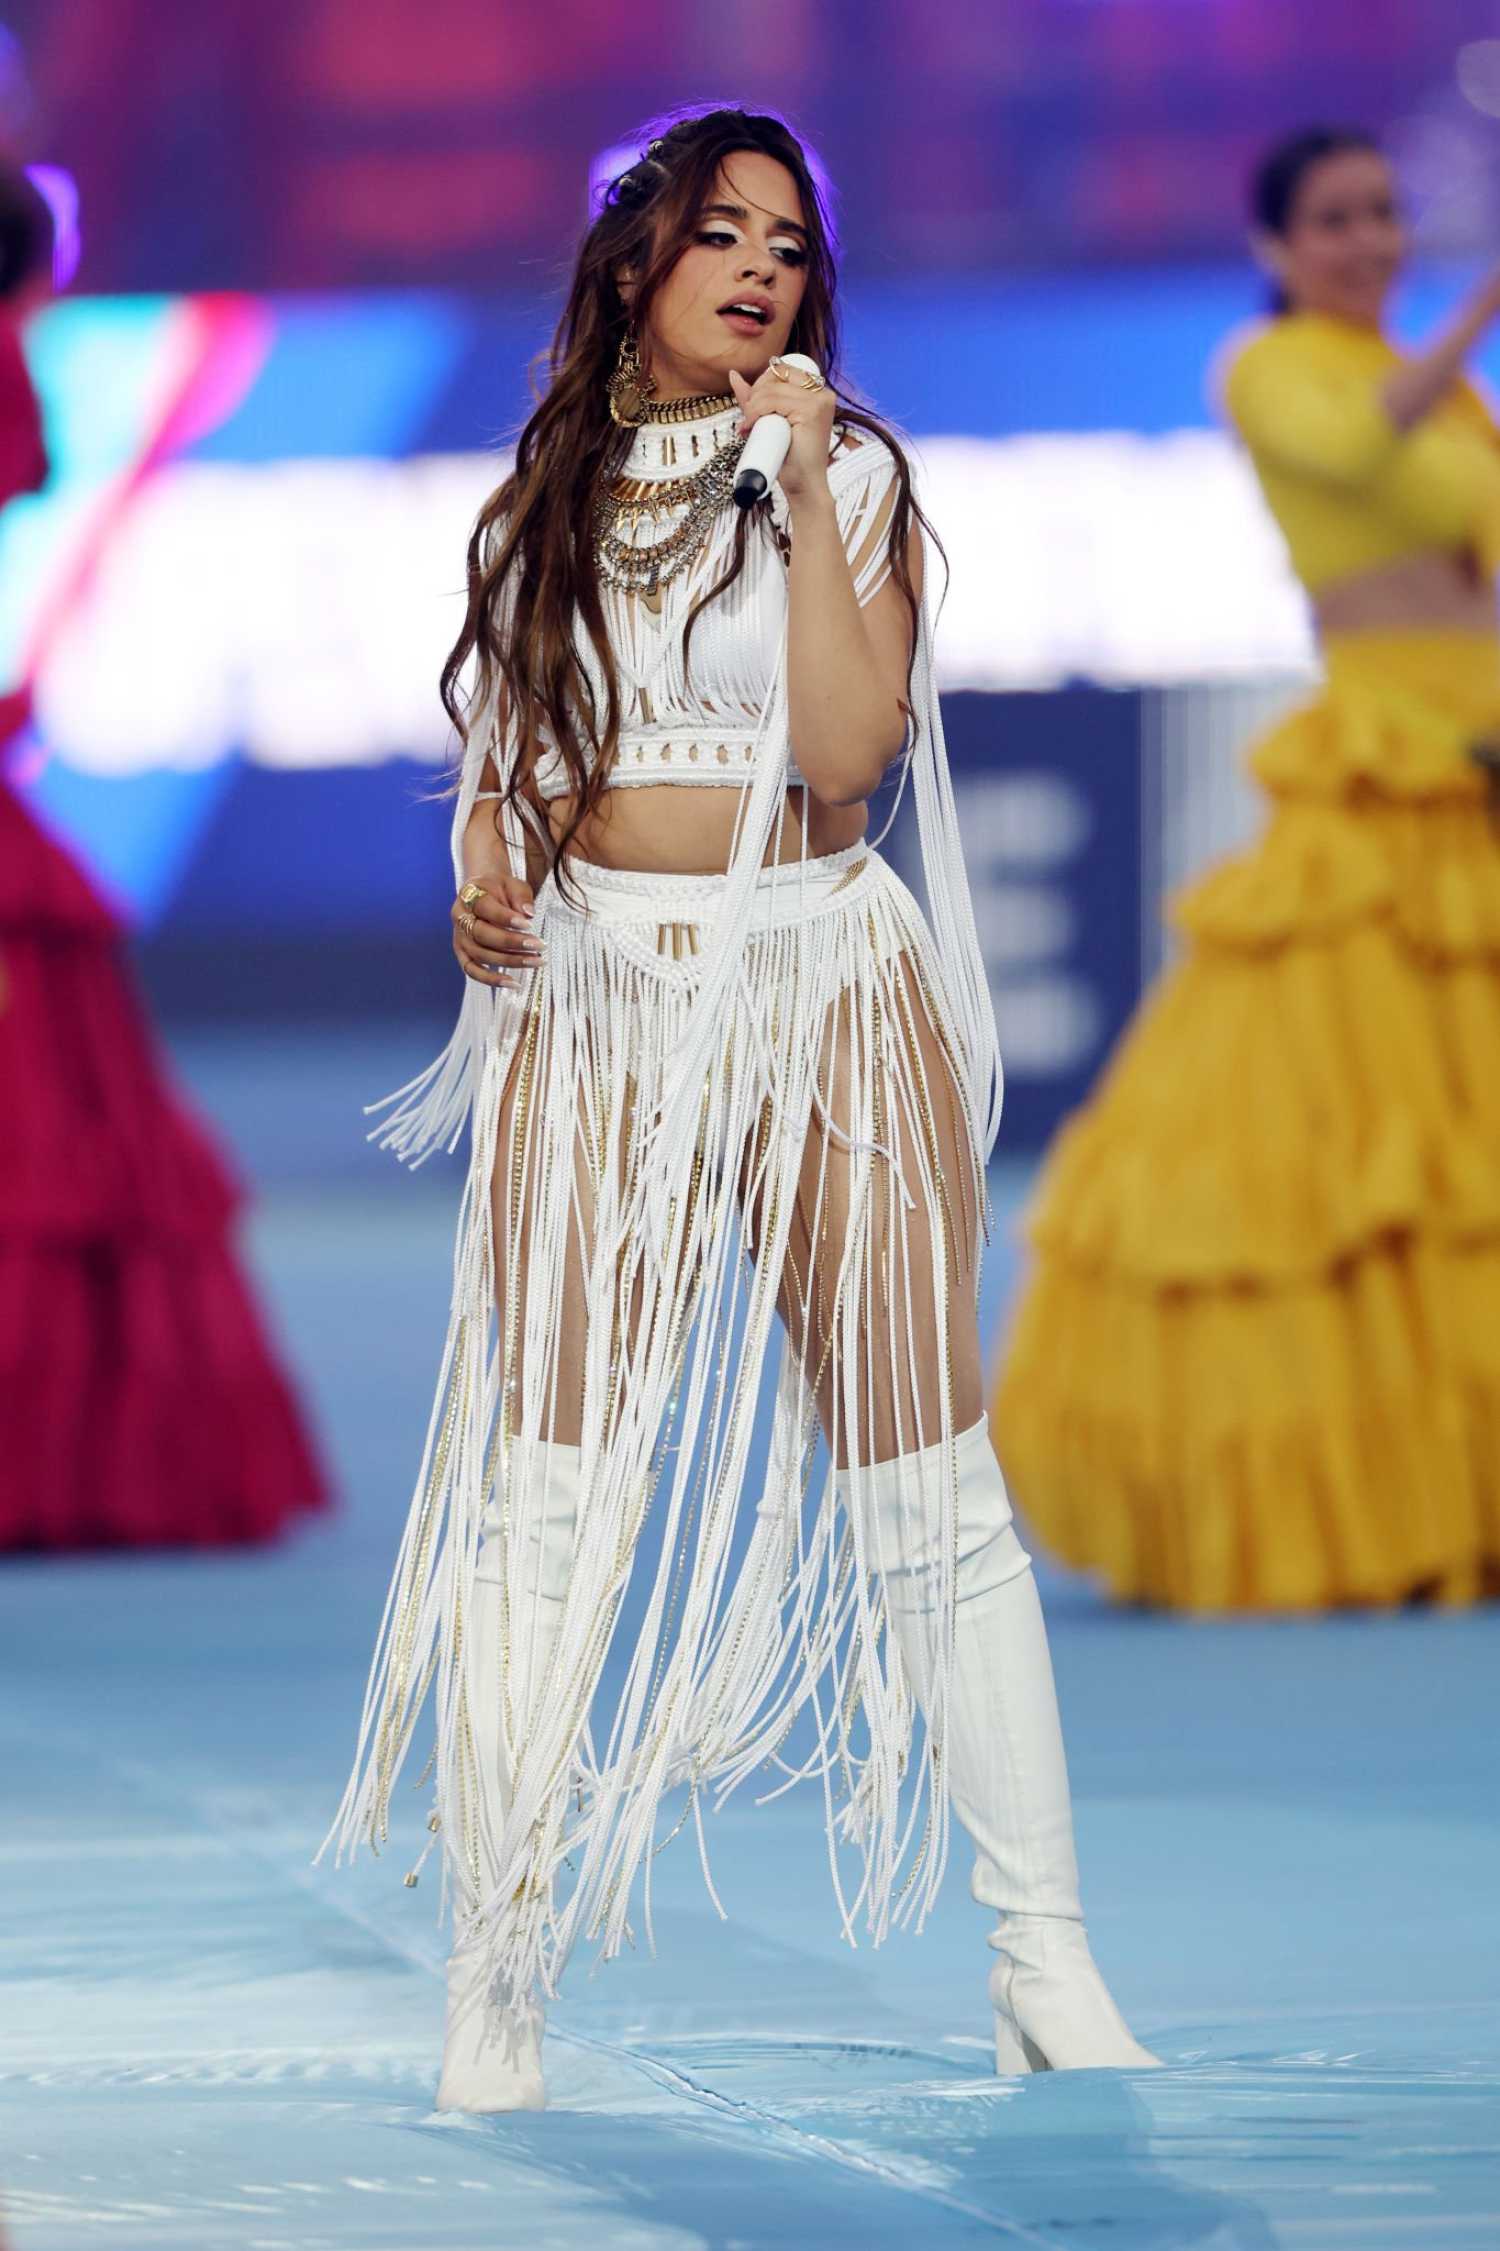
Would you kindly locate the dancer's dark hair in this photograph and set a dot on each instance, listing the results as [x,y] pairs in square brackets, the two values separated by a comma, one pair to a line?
[531,557]
[1282,170]
[25,231]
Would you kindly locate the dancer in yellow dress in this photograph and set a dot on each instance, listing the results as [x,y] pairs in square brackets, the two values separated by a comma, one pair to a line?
[1257,1361]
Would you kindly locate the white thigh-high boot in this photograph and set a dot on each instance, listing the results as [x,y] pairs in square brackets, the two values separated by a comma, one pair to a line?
[1006,1770]
[492,2056]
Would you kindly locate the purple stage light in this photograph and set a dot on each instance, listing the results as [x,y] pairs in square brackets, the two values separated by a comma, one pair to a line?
[607,167]
[59,191]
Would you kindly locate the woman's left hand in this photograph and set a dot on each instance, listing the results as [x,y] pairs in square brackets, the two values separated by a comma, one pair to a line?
[804,473]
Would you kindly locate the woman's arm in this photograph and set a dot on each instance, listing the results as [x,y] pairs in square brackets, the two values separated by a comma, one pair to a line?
[484,850]
[846,664]
[499,940]
[1300,405]
[1416,387]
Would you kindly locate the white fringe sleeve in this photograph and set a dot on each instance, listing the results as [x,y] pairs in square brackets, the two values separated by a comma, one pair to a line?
[432,1110]
[864,481]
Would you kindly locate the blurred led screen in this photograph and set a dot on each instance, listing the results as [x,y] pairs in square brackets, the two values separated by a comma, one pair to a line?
[344,144]
[252,541]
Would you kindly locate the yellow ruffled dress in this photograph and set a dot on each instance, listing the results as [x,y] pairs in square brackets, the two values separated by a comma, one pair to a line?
[1256,1365]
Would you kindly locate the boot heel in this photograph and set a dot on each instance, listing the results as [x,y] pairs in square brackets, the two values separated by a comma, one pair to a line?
[1015,2052]
[1053,2010]
[1011,2059]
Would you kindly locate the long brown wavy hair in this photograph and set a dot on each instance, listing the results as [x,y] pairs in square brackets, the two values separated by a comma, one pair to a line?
[532,576]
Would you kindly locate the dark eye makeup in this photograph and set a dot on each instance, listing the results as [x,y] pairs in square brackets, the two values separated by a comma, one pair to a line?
[715,238]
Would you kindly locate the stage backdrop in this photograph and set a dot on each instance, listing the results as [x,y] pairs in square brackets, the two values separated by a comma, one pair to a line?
[237,590]
[343,143]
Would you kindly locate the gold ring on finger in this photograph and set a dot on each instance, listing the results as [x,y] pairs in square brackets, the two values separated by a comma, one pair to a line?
[810,379]
[471,893]
[781,371]
[466,923]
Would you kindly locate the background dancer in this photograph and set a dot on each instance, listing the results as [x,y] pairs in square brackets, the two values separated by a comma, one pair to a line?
[705,1019]
[1258,1363]
[139,1400]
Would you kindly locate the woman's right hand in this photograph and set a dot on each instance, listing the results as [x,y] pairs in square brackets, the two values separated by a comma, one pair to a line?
[1421,382]
[1484,299]
[493,936]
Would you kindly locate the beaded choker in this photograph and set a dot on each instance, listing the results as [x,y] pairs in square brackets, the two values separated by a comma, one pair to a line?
[698,407]
[676,449]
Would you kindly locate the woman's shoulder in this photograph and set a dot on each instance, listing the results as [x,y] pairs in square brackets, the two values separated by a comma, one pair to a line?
[1235,362]
[1282,348]
[1277,340]
[862,456]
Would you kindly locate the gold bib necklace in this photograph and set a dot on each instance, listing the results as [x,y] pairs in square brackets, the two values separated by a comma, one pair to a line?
[637,566]
[654,518]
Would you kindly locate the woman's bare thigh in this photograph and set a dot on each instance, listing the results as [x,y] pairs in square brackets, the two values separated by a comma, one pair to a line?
[878,1296]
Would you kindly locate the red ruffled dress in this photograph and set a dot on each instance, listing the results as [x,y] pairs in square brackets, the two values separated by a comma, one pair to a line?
[139,1402]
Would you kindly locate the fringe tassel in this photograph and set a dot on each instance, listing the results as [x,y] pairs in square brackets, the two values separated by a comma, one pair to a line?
[431,1111]
[642,1079]
[727,1662]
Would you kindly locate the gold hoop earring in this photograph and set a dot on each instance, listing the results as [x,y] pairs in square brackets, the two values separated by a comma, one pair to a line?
[630,387]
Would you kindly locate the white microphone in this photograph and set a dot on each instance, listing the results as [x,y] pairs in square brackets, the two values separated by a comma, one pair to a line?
[765,449]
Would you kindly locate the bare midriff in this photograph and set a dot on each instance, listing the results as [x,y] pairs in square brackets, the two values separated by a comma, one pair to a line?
[1434,593]
[676,828]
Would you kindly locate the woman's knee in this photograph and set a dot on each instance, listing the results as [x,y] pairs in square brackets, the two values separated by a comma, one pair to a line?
[947,1501]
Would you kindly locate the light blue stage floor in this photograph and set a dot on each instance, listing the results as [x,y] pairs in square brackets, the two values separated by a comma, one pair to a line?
[1289,1839]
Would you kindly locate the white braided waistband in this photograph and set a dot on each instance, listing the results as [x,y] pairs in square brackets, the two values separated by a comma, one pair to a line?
[782,894]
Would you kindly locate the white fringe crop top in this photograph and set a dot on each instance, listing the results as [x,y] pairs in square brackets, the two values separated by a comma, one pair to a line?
[696,716]
[723,717]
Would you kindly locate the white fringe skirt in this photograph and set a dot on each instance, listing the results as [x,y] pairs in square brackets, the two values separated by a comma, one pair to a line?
[808,1249]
